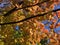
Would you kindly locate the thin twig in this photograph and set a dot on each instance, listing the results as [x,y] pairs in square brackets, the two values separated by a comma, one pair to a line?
[15,8]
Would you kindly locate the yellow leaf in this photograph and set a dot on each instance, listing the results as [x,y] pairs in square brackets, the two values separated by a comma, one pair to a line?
[1,43]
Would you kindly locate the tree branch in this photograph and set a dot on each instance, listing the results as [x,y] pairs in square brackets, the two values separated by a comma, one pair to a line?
[29,17]
[15,8]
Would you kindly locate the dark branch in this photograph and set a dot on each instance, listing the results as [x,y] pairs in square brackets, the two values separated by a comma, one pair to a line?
[29,17]
[14,9]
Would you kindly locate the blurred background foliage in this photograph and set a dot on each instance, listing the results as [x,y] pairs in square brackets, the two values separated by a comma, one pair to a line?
[29,32]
